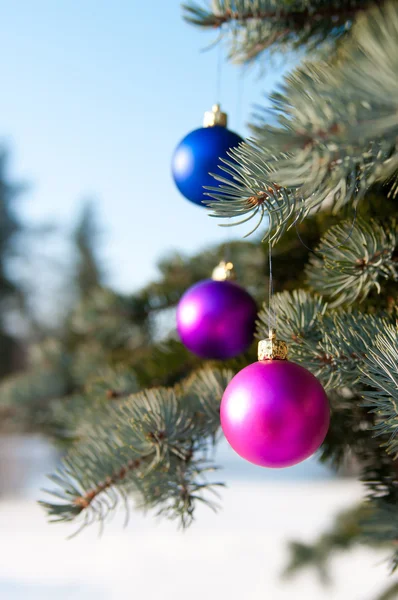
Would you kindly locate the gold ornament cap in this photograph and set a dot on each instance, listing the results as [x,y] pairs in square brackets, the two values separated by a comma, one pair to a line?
[272,348]
[224,271]
[215,116]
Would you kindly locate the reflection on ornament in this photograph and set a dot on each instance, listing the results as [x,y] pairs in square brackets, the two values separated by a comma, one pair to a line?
[274,413]
[198,154]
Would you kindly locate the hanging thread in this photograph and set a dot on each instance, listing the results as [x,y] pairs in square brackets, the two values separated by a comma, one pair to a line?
[272,321]
[239,98]
[219,73]
[333,247]
[227,244]
[239,110]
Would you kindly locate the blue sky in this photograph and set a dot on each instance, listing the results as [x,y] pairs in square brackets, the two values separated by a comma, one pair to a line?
[95,97]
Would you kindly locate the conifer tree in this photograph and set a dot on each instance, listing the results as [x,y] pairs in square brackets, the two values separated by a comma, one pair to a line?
[140,416]
[88,274]
[11,295]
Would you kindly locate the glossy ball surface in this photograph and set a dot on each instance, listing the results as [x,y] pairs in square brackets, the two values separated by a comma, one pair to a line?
[197,155]
[275,413]
[216,319]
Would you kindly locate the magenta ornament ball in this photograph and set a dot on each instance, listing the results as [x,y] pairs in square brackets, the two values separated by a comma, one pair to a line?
[275,413]
[216,319]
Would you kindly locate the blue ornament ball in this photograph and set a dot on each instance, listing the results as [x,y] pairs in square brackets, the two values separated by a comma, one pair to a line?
[197,155]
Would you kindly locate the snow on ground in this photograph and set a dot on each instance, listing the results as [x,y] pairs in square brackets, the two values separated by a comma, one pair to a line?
[234,555]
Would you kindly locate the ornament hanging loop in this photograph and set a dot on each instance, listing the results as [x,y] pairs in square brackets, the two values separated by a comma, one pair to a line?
[215,116]
[272,348]
[224,271]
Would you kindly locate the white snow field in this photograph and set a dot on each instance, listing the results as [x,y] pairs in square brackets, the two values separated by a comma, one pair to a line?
[235,555]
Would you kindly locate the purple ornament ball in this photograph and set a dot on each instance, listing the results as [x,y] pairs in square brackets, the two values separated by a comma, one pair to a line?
[216,319]
[275,413]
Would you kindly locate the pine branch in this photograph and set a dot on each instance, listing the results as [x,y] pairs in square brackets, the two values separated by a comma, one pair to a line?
[252,194]
[72,418]
[110,318]
[258,25]
[225,11]
[377,524]
[298,314]
[348,417]
[381,525]
[390,593]
[344,534]
[337,134]
[345,342]
[178,272]
[25,397]
[331,344]
[346,350]
[380,371]
[351,259]
[153,445]
[104,333]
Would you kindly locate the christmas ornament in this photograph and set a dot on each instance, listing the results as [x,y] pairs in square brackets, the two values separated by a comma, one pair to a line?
[199,153]
[216,317]
[274,413]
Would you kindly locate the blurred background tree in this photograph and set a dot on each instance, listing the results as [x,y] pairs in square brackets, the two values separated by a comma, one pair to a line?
[137,413]
[88,272]
[12,296]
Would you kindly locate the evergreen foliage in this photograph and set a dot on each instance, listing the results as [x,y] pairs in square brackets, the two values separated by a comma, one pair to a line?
[254,26]
[139,415]
[336,134]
